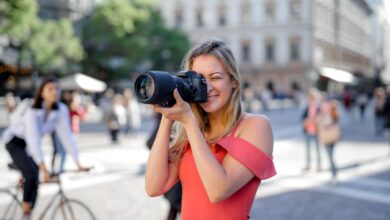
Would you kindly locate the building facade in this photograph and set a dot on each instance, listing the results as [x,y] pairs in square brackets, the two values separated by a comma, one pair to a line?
[281,44]
[75,10]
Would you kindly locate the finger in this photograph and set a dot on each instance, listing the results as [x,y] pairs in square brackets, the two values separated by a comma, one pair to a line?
[177,96]
[160,109]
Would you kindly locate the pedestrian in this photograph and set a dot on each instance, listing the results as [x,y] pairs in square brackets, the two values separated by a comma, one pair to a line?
[58,148]
[24,144]
[133,111]
[219,153]
[386,113]
[309,122]
[362,101]
[116,119]
[379,104]
[330,132]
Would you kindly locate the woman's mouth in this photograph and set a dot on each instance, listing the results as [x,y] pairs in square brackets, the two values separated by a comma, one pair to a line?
[211,97]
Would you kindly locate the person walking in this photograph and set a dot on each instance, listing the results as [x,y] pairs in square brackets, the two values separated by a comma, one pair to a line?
[23,139]
[219,153]
[309,121]
[330,132]
[379,104]
[386,113]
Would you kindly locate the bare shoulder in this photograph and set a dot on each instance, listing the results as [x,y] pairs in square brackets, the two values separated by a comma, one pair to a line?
[256,129]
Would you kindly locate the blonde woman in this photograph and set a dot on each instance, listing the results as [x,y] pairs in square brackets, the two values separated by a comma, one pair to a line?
[219,153]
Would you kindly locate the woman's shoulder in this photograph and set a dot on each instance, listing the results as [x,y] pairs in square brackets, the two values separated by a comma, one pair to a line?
[256,129]
[250,119]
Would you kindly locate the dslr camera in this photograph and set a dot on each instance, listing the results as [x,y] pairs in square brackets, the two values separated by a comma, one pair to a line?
[156,87]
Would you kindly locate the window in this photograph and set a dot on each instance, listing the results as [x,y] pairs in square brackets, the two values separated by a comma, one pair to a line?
[178,17]
[295,8]
[222,15]
[269,50]
[269,12]
[199,17]
[245,51]
[294,50]
[245,13]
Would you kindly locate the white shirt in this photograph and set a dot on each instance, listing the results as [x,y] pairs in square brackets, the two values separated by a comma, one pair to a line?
[33,126]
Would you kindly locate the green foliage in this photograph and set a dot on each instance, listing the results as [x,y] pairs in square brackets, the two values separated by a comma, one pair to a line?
[17,17]
[125,36]
[47,44]
[54,45]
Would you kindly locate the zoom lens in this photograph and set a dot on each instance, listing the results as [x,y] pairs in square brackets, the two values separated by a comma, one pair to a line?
[145,87]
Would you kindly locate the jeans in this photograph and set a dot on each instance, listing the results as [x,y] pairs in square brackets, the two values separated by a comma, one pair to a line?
[30,172]
[330,150]
[58,149]
[309,139]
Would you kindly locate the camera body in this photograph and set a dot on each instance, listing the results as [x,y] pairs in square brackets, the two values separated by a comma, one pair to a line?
[156,87]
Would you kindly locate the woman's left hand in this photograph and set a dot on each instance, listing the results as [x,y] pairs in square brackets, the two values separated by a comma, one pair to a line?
[181,111]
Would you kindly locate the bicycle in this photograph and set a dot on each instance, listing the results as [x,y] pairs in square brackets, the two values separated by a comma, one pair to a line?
[63,208]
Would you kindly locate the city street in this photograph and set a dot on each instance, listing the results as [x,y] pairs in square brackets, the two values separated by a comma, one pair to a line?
[115,188]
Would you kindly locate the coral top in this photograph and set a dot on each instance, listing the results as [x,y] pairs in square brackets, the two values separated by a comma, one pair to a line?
[195,202]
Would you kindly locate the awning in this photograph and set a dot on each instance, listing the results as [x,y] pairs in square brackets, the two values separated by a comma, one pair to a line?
[338,75]
[79,81]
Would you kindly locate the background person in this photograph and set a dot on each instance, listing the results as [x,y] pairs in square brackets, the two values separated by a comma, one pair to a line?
[23,139]
[330,117]
[310,129]
[220,154]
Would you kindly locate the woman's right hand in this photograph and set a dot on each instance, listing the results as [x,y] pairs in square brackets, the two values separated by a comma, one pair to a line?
[181,111]
[46,177]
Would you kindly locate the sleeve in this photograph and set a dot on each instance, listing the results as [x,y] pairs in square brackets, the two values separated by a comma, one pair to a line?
[259,163]
[33,135]
[64,132]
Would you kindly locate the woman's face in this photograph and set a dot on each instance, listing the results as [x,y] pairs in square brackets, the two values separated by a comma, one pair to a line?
[50,93]
[219,84]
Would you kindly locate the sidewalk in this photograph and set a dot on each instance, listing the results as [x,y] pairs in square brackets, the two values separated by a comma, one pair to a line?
[116,188]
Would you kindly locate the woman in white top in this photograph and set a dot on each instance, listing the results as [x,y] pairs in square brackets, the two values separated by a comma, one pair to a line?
[23,139]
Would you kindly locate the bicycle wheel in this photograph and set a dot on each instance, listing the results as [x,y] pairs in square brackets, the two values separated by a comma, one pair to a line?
[72,210]
[10,206]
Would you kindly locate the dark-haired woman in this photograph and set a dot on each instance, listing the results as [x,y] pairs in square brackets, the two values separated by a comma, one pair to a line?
[24,139]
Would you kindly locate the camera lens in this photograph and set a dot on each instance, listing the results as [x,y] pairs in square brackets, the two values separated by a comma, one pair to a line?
[145,87]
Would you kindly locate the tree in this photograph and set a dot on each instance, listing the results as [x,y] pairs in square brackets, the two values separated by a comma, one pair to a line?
[17,17]
[123,36]
[48,44]
[63,50]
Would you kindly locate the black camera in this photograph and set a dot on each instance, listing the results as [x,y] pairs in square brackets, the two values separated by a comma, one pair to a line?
[156,87]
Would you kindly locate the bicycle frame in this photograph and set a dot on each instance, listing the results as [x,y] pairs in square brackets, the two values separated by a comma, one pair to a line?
[14,204]
[61,197]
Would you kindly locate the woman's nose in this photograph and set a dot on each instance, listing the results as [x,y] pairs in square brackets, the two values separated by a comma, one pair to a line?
[209,86]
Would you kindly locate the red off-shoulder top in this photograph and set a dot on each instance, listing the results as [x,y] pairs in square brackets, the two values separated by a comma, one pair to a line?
[195,202]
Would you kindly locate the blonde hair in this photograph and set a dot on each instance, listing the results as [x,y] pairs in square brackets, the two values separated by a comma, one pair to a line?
[232,110]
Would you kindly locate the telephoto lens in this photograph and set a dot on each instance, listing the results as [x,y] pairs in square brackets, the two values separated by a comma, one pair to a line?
[156,87]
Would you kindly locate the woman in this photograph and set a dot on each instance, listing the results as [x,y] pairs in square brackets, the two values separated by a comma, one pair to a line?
[219,153]
[23,139]
[329,122]
[309,119]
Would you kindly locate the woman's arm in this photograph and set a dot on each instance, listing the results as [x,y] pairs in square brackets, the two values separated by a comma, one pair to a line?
[221,181]
[33,141]
[161,174]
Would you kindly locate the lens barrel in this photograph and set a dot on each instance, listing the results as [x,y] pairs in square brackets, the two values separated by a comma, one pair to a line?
[155,87]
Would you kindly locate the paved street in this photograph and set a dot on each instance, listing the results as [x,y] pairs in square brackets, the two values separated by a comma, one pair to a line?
[115,189]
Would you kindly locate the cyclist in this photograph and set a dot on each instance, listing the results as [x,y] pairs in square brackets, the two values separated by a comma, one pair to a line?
[23,139]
